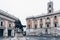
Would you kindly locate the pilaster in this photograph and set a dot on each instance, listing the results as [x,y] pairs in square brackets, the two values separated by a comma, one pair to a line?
[12,32]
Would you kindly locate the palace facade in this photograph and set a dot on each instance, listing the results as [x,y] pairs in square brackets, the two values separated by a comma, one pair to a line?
[44,24]
[7,24]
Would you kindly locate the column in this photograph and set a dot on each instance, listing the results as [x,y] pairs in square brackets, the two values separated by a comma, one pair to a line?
[38,23]
[52,21]
[12,32]
[6,29]
[32,23]
[5,32]
[59,21]
[27,30]
[32,30]
[27,24]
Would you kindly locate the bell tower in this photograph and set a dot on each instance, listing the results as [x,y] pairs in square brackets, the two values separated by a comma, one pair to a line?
[50,7]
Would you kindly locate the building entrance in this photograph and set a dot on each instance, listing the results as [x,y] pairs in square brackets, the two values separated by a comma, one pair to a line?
[9,32]
[1,32]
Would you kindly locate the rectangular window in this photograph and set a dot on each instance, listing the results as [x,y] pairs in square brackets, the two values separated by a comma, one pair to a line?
[55,24]
[29,26]
[46,30]
[9,32]
[47,25]
[1,32]
[41,26]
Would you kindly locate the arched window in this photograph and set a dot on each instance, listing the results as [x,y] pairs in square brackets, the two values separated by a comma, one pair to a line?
[49,11]
[49,5]
[9,25]
[41,20]
[35,26]
[47,17]
[55,17]
[1,23]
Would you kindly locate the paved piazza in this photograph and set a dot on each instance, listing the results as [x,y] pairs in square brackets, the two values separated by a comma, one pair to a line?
[31,38]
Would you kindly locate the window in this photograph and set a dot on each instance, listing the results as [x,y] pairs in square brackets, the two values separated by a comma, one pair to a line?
[41,26]
[29,26]
[1,23]
[55,17]
[49,11]
[47,17]
[9,25]
[55,24]
[9,32]
[49,5]
[47,25]
[47,21]
[40,20]
[1,32]
[35,26]
[35,20]
[46,30]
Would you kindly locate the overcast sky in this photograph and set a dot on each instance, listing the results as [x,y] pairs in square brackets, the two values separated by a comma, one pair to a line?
[25,8]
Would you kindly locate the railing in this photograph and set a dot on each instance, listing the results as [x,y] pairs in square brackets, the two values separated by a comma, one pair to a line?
[18,30]
[55,31]
[11,28]
[34,31]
